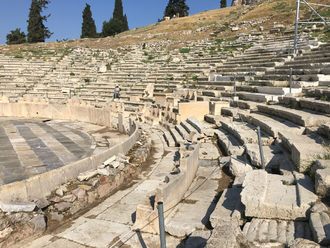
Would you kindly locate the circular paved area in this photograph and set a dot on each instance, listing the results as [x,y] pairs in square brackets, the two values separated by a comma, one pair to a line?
[31,146]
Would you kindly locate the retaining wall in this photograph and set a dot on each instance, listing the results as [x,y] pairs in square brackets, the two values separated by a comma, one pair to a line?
[170,193]
[42,184]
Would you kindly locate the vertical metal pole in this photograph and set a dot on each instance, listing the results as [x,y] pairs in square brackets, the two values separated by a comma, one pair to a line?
[161,225]
[235,86]
[260,149]
[296,29]
[290,79]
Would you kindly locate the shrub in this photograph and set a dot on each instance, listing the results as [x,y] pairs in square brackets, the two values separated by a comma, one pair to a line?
[184,50]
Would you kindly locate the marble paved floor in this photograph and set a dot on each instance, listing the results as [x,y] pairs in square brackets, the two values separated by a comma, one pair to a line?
[31,146]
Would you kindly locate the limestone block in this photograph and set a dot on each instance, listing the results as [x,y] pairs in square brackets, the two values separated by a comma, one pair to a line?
[228,203]
[38,223]
[272,155]
[57,217]
[42,203]
[69,198]
[60,191]
[103,172]
[227,235]
[17,206]
[239,166]
[254,191]
[320,164]
[304,154]
[87,175]
[318,232]
[79,192]
[63,206]
[102,68]
[115,164]
[274,196]
[304,243]
[4,233]
[322,181]
[318,207]
[108,161]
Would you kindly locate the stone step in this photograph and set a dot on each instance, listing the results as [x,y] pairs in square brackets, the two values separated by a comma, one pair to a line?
[282,231]
[200,127]
[305,149]
[271,125]
[176,137]
[183,132]
[258,97]
[169,139]
[286,71]
[229,143]
[189,128]
[305,118]
[243,133]
[320,225]
[229,207]
[243,104]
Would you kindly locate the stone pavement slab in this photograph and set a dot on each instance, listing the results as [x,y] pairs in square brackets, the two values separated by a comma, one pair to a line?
[110,201]
[206,192]
[40,242]
[119,213]
[96,233]
[205,172]
[186,218]
[208,151]
[60,243]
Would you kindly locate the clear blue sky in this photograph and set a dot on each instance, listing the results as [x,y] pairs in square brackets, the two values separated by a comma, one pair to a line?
[66,15]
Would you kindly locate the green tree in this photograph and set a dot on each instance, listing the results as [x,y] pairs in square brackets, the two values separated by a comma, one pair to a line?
[112,27]
[37,32]
[16,37]
[88,28]
[176,6]
[118,14]
[223,3]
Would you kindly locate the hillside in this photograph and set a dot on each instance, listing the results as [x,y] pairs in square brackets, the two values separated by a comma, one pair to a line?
[214,23]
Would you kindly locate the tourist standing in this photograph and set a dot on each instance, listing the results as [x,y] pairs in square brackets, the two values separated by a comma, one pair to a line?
[116,92]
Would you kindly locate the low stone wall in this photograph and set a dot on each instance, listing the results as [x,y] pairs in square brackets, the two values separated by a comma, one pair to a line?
[170,193]
[41,185]
[180,184]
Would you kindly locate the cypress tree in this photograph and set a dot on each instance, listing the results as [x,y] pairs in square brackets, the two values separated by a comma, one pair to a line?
[37,32]
[88,28]
[176,6]
[118,14]
[223,3]
[16,37]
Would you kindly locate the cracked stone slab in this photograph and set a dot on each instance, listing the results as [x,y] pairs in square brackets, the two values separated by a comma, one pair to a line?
[97,233]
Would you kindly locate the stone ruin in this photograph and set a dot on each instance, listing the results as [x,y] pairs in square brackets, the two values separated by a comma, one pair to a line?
[210,126]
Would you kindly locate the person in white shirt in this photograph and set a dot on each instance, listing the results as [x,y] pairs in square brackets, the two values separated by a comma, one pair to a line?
[116,92]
